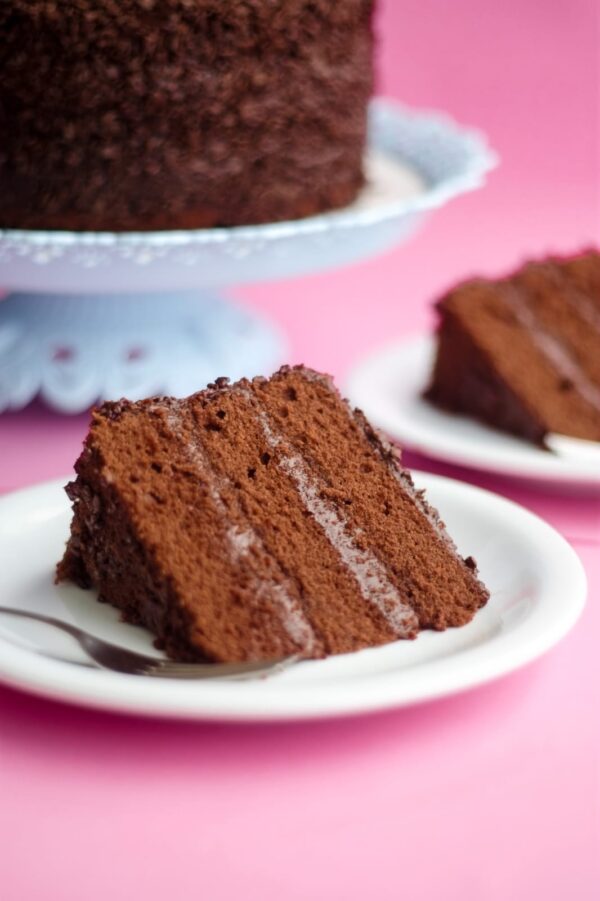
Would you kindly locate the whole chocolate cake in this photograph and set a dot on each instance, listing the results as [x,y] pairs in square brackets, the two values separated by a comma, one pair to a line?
[161,114]
[523,353]
[258,519]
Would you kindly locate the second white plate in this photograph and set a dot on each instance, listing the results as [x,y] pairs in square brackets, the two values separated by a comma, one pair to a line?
[388,386]
[536,581]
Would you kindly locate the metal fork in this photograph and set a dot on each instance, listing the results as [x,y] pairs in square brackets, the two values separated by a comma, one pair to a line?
[121,660]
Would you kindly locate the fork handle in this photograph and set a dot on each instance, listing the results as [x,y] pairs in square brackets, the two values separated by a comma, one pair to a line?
[41,618]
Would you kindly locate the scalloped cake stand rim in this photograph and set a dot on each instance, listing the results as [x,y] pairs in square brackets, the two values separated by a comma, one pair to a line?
[483,160]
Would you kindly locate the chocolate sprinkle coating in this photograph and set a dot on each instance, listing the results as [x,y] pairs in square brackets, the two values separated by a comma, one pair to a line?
[149,114]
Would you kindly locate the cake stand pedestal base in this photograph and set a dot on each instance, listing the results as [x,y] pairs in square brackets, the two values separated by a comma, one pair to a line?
[76,350]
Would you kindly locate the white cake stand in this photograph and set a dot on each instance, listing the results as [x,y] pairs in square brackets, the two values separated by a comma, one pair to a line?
[99,315]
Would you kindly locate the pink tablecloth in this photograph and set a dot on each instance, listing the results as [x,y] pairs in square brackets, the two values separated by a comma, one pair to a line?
[490,795]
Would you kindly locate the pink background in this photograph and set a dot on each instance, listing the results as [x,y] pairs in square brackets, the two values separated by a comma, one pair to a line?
[490,795]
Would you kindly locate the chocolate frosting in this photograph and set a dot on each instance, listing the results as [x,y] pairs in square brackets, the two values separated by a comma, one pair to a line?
[139,114]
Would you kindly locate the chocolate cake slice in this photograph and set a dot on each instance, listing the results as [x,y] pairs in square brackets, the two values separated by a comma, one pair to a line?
[523,353]
[259,519]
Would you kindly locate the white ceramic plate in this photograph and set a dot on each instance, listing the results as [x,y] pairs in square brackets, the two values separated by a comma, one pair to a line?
[388,387]
[536,581]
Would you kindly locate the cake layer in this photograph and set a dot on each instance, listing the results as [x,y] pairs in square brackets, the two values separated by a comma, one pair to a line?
[523,353]
[128,115]
[561,309]
[359,474]
[260,519]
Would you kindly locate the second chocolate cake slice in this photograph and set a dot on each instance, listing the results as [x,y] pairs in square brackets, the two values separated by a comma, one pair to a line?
[260,519]
[523,353]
